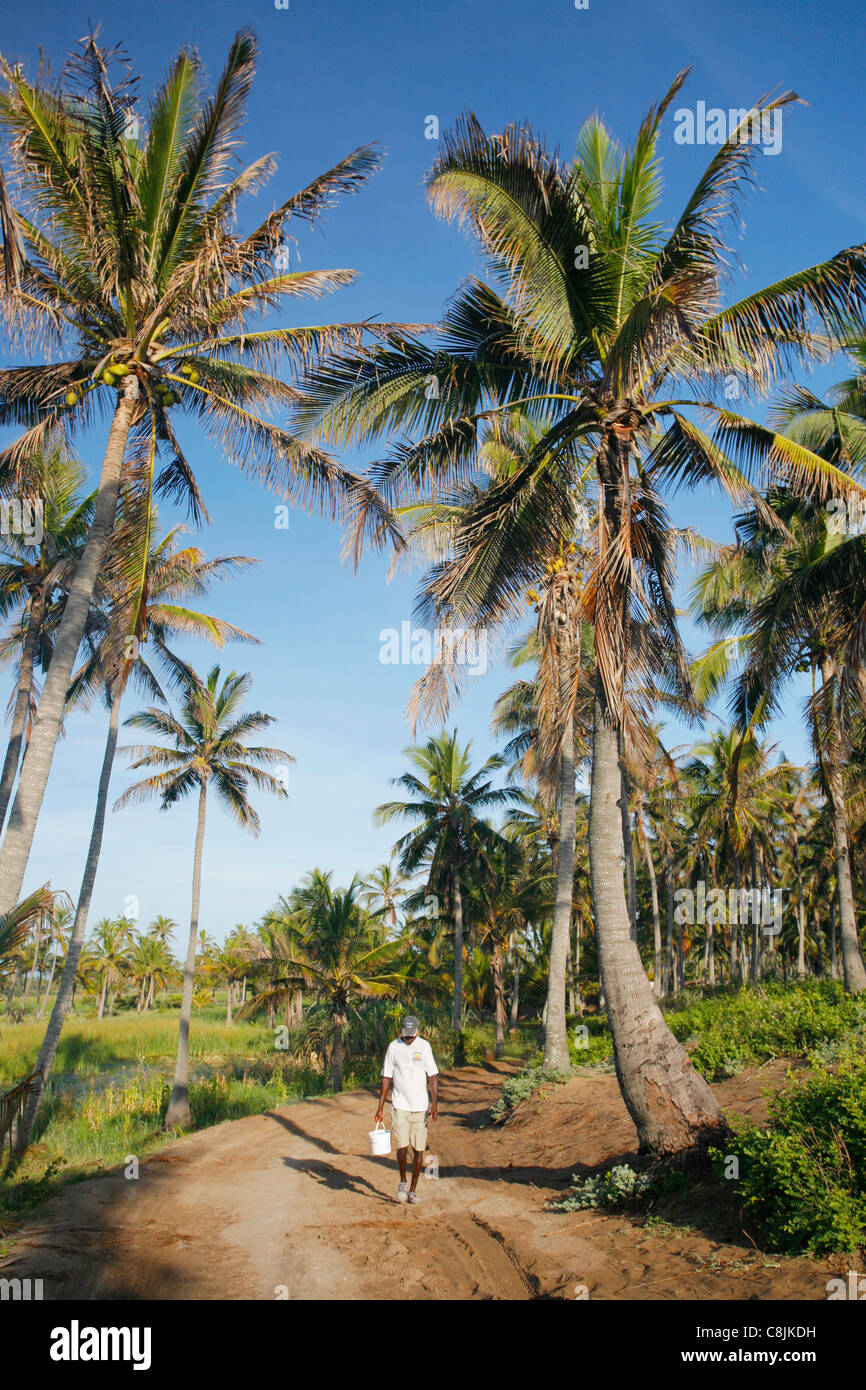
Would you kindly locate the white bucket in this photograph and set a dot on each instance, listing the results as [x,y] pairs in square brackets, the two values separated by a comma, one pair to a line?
[380,1140]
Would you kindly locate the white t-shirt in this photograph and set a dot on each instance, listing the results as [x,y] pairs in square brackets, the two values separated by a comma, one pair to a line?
[409,1065]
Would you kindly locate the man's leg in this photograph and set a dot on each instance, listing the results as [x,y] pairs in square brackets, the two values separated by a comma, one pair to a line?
[400,1131]
[416,1168]
[418,1140]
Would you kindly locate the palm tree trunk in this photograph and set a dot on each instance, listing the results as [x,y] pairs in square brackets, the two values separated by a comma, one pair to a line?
[178,1114]
[816,927]
[756,927]
[669,1101]
[499,1000]
[834,953]
[669,985]
[515,984]
[801,910]
[457,1011]
[627,849]
[18,841]
[101,1010]
[556,1056]
[41,1010]
[578,933]
[852,958]
[657,929]
[228,1002]
[339,1051]
[736,963]
[35,973]
[36,612]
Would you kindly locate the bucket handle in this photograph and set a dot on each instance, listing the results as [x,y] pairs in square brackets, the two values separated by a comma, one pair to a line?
[378,1123]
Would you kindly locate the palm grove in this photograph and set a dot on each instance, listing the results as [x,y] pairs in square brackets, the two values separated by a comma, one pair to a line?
[531,442]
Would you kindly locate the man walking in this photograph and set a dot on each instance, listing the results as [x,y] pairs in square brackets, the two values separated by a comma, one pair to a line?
[408,1062]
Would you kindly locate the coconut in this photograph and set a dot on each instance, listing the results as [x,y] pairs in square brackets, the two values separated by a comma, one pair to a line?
[108,377]
[72,398]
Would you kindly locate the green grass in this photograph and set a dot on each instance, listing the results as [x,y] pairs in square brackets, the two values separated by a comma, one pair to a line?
[89,1046]
[109,1087]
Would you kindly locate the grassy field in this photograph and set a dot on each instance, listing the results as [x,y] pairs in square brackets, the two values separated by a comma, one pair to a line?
[109,1088]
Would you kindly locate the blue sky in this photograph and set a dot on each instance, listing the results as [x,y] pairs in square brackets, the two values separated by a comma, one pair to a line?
[332,76]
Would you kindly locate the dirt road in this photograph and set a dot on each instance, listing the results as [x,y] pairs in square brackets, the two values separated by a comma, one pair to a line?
[290,1204]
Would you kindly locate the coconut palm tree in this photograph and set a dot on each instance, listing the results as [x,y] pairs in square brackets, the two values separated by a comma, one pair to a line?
[796,590]
[382,891]
[281,932]
[35,572]
[209,751]
[16,926]
[162,929]
[126,281]
[446,801]
[59,930]
[143,586]
[466,544]
[616,326]
[231,967]
[338,952]
[148,963]
[504,897]
[112,954]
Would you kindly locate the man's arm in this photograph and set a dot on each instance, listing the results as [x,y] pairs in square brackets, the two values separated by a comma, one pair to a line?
[383,1096]
[434,1096]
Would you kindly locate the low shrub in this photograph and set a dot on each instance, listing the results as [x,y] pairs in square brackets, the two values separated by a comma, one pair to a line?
[802,1176]
[617,1187]
[524,1084]
[726,1033]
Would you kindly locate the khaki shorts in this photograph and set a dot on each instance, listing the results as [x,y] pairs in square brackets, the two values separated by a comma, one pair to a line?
[409,1127]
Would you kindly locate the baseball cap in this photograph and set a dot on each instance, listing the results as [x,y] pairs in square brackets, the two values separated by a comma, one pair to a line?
[409,1026]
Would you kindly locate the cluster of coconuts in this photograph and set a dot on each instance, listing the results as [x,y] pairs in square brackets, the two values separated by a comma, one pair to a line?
[165,393]
[533,596]
[113,373]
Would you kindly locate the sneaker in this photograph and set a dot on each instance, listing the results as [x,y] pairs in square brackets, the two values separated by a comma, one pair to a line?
[402,1192]
[413,1197]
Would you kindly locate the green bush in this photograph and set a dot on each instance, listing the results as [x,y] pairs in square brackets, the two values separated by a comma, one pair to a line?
[592,1047]
[733,1031]
[803,1175]
[614,1188]
[521,1086]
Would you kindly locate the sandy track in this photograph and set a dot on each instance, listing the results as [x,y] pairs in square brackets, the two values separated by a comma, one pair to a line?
[291,1204]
